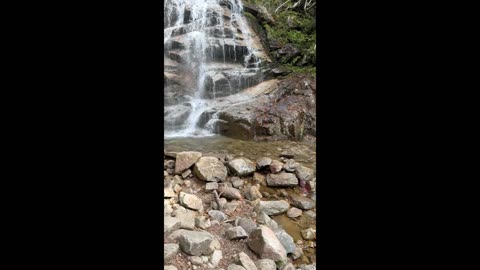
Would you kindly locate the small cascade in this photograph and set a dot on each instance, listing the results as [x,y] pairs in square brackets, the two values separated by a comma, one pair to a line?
[210,53]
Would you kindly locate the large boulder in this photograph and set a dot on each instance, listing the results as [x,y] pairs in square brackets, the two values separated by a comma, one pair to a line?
[196,243]
[210,169]
[242,166]
[185,160]
[265,244]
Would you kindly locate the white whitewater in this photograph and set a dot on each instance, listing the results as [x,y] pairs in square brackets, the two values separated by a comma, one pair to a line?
[209,54]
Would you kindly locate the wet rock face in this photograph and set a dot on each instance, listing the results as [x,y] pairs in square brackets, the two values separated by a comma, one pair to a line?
[212,41]
[264,242]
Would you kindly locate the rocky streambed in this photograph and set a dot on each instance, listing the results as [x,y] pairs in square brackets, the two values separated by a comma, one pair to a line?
[226,211]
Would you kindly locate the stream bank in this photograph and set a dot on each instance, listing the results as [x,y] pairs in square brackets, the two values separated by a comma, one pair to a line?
[262,200]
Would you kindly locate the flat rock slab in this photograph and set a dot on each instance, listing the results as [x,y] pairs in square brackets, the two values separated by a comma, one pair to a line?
[273,208]
[242,166]
[236,233]
[196,243]
[210,169]
[185,160]
[190,201]
[282,179]
[265,244]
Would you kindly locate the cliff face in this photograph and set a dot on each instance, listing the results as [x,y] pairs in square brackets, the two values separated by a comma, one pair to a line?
[287,29]
[241,72]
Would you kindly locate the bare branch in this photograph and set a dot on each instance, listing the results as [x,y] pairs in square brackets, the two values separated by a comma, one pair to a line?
[276,10]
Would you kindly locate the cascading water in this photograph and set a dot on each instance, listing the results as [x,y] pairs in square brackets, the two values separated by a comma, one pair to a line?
[209,53]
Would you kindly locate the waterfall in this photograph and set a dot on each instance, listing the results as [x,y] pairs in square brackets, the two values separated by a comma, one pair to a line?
[210,53]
